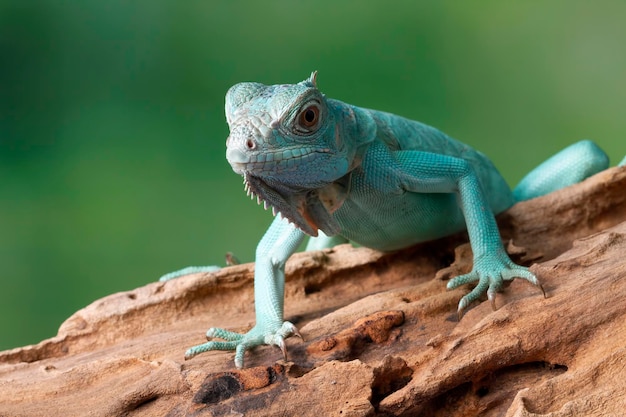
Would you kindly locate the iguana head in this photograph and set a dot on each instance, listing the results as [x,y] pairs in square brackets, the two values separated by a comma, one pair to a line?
[285,141]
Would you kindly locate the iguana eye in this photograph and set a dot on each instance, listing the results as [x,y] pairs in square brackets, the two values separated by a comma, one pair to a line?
[309,117]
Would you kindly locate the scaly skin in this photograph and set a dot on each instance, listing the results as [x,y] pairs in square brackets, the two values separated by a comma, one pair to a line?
[341,172]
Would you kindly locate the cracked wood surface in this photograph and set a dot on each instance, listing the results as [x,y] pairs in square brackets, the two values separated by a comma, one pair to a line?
[381,332]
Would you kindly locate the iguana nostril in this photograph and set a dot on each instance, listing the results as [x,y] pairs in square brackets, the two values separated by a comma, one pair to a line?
[250,144]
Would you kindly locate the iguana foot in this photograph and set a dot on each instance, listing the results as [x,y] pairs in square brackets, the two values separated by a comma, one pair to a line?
[491,273]
[258,335]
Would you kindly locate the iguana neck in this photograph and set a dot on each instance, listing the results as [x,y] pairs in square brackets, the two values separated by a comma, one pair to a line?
[355,130]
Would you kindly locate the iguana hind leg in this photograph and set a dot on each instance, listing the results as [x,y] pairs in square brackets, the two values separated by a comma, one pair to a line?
[189,270]
[323,242]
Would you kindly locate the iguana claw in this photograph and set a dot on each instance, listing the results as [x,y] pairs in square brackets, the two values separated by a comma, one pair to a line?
[491,296]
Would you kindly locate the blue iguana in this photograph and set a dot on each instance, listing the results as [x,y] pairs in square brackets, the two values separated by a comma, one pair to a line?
[342,173]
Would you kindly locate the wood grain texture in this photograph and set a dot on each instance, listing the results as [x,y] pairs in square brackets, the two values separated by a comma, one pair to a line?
[381,332]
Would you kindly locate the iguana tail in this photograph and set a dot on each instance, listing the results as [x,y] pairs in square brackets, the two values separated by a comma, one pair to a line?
[570,166]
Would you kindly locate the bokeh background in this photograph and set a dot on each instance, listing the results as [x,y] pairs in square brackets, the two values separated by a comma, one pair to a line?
[112,167]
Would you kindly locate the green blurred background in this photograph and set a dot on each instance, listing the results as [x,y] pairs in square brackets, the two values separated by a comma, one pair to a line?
[112,167]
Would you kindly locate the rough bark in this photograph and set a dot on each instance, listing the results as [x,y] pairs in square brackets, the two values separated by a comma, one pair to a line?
[381,332]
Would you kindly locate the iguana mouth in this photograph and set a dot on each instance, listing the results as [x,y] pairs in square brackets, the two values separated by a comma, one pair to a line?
[302,207]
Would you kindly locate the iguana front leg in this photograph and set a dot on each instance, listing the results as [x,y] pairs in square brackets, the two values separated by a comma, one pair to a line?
[425,172]
[279,242]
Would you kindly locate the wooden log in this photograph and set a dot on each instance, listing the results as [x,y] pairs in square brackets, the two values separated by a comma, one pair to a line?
[381,332]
